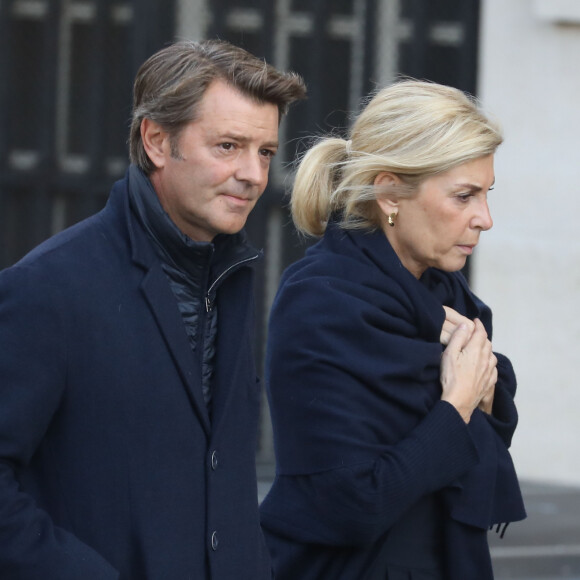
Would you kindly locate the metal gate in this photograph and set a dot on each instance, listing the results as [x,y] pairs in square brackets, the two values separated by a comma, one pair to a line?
[65,99]
[67,68]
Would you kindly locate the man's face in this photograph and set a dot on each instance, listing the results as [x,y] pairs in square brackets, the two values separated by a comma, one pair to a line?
[211,181]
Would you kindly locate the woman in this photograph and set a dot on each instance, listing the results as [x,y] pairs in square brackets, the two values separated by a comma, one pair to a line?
[392,416]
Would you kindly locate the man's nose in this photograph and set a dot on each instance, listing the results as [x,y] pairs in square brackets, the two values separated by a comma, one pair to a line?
[252,169]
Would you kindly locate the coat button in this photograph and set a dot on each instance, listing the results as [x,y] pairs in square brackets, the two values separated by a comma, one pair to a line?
[214,460]
[214,541]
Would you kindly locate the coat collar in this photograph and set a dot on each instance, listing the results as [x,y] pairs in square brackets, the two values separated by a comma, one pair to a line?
[231,253]
[225,253]
[159,297]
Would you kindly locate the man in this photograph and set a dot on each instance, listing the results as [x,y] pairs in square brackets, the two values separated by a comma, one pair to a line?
[128,393]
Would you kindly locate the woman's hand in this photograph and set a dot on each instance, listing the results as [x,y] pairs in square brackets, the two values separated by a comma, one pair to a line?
[468,369]
[452,320]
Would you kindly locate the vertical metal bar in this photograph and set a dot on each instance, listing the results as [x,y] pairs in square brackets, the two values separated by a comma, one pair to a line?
[386,47]
[96,107]
[48,94]
[44,180]
[358,54]
[217,26]
[370,45]
[153,27]
[97,68]
[268,31]
[319,39]
[98,176]
[138,36]
[468,51]
[192,18]
[4,64]
[5,36]
[420,40]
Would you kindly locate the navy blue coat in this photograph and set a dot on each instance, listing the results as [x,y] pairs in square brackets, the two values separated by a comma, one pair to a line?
[109,466]
[361,436]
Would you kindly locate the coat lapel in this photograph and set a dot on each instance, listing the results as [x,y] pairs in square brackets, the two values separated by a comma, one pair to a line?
[161,301]
[158,294]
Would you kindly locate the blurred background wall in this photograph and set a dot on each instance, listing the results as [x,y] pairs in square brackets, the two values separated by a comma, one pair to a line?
[528,266]
[65,99]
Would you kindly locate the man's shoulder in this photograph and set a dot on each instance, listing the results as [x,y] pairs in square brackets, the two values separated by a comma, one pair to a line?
[77,239]
[108,225]
[75,250]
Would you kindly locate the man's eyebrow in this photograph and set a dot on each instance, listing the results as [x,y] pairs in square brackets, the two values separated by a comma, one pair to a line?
[244,139]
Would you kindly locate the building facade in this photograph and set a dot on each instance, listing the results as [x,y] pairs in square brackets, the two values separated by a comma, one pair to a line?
[528,266]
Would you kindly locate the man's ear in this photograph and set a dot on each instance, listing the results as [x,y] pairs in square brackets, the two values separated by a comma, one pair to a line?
[155,142]
[385,182]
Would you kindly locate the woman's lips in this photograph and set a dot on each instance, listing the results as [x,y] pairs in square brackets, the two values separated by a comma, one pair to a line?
[466,249]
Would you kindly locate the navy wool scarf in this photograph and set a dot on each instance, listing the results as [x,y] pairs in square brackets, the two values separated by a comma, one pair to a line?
[353,366]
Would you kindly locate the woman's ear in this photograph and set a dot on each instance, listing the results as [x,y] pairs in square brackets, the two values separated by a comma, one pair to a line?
[155,142]
[385,183]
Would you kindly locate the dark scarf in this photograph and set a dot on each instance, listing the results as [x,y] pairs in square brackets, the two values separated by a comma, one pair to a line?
[376,372]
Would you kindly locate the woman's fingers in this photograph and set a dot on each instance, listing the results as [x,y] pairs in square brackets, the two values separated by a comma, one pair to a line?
[486,403]
[468,369]
[452,321]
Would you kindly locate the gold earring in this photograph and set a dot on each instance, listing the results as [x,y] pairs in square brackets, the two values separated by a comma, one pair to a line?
[392,219]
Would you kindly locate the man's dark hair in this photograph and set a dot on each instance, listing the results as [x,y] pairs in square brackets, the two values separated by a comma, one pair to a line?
[171,83]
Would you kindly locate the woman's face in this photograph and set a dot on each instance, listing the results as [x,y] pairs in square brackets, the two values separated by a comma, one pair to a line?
[440,226]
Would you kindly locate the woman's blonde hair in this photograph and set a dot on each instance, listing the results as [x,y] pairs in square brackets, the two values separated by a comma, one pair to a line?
[414,129]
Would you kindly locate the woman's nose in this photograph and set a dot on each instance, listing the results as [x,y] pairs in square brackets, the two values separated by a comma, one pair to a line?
[483,219]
